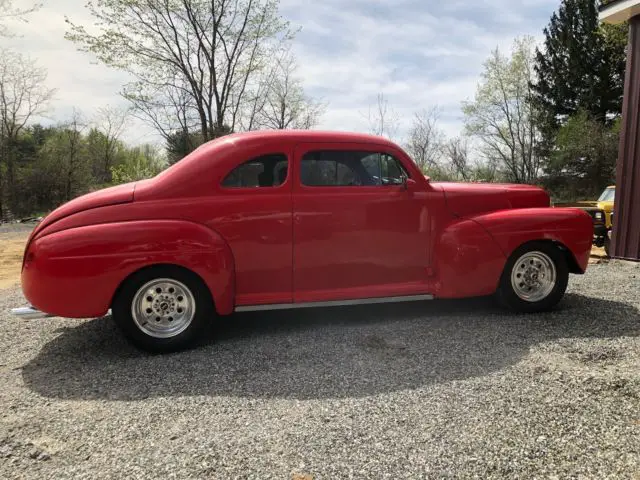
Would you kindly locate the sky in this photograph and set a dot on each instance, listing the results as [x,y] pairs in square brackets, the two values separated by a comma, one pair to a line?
[419,53]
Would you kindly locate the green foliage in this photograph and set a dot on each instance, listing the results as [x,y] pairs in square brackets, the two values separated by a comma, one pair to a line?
[140,163]
[578,99]
[583,162]
[181,143]
[580,68]
[105,153]
[56,164]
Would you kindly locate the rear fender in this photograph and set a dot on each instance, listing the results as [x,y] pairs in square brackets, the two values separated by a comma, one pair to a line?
[76,272]
[569,227]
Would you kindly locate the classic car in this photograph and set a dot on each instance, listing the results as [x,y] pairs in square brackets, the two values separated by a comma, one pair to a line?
[285,219]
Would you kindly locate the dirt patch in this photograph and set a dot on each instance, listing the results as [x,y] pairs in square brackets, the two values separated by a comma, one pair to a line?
[11,251]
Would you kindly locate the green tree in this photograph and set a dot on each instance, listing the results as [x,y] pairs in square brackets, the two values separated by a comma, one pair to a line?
[140,163]
[580,68]
[105,143]
[501,115]
[180,144]
[23,95]
[66,157]
[583,162]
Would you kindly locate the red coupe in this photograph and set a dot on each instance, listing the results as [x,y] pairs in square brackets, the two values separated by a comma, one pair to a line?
[286,219]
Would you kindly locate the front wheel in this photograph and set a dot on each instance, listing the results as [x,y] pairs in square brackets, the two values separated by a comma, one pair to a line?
[535,278]
[162,309]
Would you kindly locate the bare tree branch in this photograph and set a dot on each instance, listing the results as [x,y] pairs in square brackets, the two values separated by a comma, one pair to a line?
[382,119]
[285,105]
[456,151]
[501,116]
[111,123]
[426,140]
[8,11]
[196,62]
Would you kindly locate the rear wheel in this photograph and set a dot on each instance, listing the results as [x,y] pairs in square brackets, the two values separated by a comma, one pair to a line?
[535,278]
[163,309]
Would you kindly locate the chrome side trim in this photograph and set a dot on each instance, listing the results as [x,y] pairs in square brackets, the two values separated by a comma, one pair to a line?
[335,303]
[29,313]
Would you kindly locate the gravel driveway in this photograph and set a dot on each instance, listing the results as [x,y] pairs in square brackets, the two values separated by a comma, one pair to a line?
[429,390]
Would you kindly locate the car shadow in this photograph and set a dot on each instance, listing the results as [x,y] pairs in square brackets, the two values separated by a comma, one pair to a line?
[318,353]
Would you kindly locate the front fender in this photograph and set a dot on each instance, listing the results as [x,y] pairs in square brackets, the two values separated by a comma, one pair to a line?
[571,227]
[466,260]
[75,272]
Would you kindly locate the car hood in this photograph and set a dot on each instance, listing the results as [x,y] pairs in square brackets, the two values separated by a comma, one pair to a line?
[466,199]
[607,206]
[100,198]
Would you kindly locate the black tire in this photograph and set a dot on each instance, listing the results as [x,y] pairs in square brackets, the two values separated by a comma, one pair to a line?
[182,279]
[508,295]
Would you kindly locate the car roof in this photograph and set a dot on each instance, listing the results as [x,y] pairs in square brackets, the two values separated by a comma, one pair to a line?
[304,136]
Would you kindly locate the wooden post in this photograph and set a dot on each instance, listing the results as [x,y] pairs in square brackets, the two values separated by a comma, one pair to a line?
[626,220]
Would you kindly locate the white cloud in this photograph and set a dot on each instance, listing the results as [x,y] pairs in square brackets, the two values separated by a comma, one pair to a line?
[418,53]
[79,80]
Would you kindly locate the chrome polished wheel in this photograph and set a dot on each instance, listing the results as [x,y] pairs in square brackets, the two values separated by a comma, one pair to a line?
[163,308]
[533,276]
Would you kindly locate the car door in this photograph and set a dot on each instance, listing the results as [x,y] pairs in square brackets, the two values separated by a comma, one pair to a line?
[252,211]
[358,231]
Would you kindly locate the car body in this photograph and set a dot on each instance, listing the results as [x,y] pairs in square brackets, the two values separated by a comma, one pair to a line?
[279,219]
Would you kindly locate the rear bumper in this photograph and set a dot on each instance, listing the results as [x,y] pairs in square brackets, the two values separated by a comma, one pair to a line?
[29,313]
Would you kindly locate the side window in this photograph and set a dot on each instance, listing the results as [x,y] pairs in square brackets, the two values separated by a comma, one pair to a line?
[393,173]
[350,168]
[266,171]
[328,169]
[384,169]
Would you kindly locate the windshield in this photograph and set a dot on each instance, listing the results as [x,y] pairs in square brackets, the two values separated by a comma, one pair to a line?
[608,195]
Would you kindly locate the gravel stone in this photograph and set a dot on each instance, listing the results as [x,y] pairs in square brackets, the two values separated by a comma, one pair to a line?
[437,389]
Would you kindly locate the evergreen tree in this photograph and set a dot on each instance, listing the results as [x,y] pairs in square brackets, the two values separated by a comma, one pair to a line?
[580,68]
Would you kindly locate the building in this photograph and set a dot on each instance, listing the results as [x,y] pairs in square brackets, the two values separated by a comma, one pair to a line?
[625,242]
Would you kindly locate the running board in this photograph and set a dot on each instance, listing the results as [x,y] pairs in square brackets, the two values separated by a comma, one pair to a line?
[29,313]
[333,303]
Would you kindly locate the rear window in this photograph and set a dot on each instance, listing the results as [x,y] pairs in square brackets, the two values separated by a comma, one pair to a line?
[265,171]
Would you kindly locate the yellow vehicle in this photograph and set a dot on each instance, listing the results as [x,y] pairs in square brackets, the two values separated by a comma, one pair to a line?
[601,212]
[605,203]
